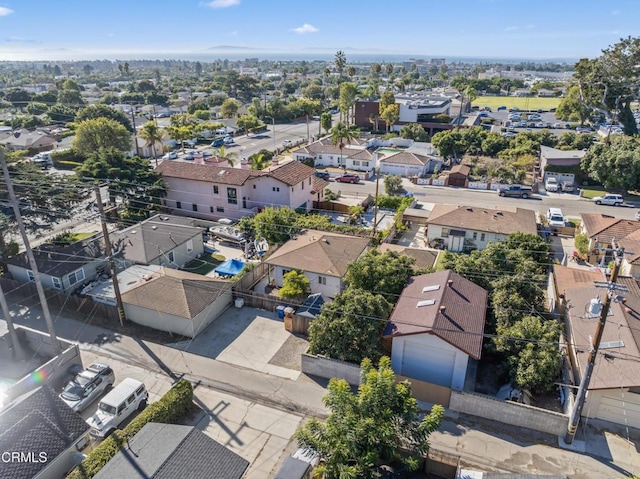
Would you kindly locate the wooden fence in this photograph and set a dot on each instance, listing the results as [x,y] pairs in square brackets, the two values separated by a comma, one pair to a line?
[267,302]
[60,302]
[297,324]
[251,278]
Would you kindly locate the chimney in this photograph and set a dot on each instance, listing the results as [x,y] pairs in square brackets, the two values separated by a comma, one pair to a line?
[442,309]
[274,161]
[450,283]
[244,164]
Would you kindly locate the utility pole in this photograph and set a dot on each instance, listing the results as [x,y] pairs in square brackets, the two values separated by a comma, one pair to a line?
[18,351]
[133,123]
[574,418]
[375,205]
[32,260]
[111,262]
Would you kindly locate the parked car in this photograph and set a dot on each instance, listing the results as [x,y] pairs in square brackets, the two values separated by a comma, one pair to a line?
[287,143]
[87,386]
[217,143]
[583,129]
[348,178]
[123,400]
[609,199]
[502,108]
[514,191]
[193,143]
[567,187]
[227,140]
[172,155]
[190,156]
[551,184]
[509,134]
[323,174]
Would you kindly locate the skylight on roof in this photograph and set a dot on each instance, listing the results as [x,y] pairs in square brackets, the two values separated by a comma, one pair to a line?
[426,302]
[222,172]
[434,287]
[611,345]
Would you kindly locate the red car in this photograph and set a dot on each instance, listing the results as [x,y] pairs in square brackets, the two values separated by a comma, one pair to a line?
[348,178]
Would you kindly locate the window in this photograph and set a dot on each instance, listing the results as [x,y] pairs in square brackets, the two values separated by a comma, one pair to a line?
[322,280]
[57,284]
[475,235]
[76,276]
[303,185]
[131,399]
[275,188]
[232,196]
[189,246]
[219,209]
[482,237]
[365,163]
[31,275]
[211,209]
[445,232]
[216,190]
[178,205]
[254,187]
[319,157]
[171,256]
[356,162]
[309,181]
[194,207]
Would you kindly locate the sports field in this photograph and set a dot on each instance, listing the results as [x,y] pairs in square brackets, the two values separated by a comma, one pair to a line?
[524,103]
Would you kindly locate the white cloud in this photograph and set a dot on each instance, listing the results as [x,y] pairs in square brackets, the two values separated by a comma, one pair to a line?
[4,11]
[306,28]
[221,3]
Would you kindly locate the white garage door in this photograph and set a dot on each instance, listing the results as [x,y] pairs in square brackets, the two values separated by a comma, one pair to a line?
[625,411]
[427,363]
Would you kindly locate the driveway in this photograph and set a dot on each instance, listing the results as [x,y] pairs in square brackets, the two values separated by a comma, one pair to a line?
[250,338]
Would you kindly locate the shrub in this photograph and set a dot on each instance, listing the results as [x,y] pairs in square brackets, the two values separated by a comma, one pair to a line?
[170,409]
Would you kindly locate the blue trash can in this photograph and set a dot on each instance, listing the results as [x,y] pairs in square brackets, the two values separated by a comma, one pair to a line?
[280,310]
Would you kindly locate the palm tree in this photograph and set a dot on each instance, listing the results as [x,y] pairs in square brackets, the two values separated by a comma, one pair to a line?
[152,134]
[343,134]
[340,62]
[257,162]
[230,156]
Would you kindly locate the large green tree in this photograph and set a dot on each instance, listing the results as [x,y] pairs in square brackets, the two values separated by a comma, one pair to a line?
[152,134]
[295,285]
[348,92]
[615,165]
[381,424]
[393,185]
[276,225]
[381,273]
[98,134]
[414,131]
[229,108]
[350,327]
[103,111]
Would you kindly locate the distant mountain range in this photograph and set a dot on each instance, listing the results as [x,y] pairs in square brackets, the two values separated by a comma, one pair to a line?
[231,48]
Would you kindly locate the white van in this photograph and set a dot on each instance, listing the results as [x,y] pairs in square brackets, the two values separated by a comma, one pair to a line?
[555,217]
[127,397]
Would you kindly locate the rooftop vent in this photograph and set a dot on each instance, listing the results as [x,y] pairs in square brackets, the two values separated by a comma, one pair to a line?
[222,172]
[499,213]
[450,283]
[134,232]
[154,227]
[434,287]
[469,208]
[426,302]
[442,309]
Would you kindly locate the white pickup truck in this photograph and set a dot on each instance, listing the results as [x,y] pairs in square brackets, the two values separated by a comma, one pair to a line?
[551,185]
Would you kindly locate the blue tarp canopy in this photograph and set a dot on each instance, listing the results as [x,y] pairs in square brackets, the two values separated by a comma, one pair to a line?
[231,267]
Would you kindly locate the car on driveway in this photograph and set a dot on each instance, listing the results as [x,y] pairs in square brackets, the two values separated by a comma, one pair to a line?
[87,386]
[609,199]
[323,174]
[190,156]
[172,155]
[551,184]
[348,178]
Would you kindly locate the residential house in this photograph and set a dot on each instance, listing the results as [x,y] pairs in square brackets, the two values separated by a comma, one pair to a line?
[550,157]
[323,258]
[353,156]
[176,301]
[164,240]
[405,164]
[147,149]
[631,259]
[212,192]
[614,388]
[461,228]
[458,176]
[437,328]
[24,139]
[601,229]
[424,258]
[171,451]
[42,427]
[104,292]
[62,268]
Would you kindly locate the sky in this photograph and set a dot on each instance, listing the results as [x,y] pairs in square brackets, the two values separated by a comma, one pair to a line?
[96,29]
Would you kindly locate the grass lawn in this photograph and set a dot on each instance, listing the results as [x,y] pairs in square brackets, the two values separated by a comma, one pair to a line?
[205,264]
[591,192]
[70,238]
[524,103]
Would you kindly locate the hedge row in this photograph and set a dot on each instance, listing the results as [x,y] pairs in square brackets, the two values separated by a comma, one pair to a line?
[170,409]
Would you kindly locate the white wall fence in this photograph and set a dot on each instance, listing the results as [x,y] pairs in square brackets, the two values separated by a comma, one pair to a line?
[487,407]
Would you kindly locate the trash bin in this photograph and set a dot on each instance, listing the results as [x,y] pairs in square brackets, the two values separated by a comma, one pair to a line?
[239,302]
[280,310]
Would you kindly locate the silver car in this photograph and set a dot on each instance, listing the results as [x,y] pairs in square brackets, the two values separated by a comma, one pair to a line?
[87,386]
[609,199]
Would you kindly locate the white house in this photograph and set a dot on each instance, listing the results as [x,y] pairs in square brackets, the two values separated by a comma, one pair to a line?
[211,192]
[323,258]
[419,108]
[163,240]
[436,328]
[177,301]
[406,163]
[465,227]
[354,155]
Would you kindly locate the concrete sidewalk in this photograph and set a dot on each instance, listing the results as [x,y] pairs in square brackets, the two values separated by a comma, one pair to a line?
[495,446]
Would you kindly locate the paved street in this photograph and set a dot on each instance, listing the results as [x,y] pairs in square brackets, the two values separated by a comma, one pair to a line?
[255,412]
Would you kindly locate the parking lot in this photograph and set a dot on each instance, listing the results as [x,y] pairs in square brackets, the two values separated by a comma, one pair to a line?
[260,434]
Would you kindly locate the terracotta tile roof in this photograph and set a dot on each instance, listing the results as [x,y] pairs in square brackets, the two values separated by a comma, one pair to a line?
[405,158]
[319,252]
[567,278]
[615,370]
[424,258]
[291,173]
[208,173]
[319,184]
[593,223]
[631,244]
[177,293]
[484,219]
[455,311]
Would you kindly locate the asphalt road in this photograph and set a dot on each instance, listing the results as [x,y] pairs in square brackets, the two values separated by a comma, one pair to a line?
[571,204]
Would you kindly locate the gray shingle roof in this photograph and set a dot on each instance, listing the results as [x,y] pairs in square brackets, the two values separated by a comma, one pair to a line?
[166,451]
[41,422]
